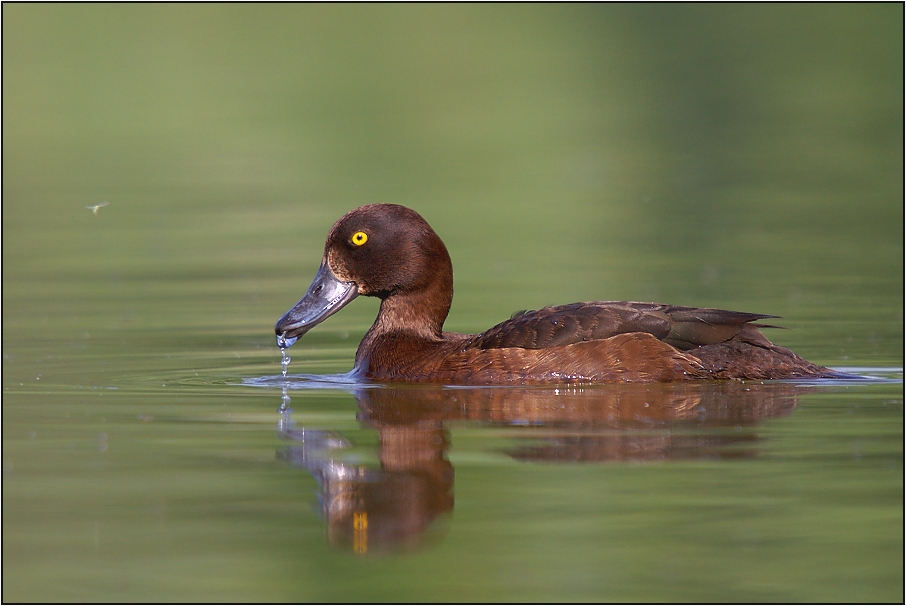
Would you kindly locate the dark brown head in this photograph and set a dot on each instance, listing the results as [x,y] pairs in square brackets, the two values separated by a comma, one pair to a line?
[380,250]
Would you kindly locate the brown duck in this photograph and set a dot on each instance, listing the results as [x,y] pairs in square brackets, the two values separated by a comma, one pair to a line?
[390,252]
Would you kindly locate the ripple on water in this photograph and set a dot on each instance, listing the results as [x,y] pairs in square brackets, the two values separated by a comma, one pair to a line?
[305,381]
[860,376]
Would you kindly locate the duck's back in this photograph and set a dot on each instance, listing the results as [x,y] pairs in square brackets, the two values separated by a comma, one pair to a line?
[630,341]
[682,327]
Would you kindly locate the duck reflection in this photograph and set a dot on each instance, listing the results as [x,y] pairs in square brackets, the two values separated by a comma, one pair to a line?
[393,506]
[378,508]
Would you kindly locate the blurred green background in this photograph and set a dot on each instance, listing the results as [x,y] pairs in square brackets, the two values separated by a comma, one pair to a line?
[703,155]
[741,156]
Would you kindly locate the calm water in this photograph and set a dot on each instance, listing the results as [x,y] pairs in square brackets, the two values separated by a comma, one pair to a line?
[743,157]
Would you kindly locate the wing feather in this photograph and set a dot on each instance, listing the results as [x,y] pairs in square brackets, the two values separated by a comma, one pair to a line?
[681,327]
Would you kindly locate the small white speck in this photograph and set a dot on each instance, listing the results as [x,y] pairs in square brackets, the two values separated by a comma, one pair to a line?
[95,207]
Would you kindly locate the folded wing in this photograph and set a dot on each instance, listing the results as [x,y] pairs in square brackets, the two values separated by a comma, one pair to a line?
[682,327]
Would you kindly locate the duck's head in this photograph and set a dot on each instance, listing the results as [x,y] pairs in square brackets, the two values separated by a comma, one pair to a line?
[379,250]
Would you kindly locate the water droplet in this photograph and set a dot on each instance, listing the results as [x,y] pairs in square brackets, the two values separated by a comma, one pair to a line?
[285,361]
[283,341]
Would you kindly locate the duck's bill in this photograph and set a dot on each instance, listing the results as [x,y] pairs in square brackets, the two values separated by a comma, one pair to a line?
[325,297]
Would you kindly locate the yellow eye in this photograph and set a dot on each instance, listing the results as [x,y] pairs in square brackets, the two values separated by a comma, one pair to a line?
[359,238]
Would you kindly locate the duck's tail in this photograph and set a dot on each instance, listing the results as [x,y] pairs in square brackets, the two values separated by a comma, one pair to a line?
[736,359]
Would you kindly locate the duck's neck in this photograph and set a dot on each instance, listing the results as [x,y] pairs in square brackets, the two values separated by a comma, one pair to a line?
[419,311]
[420,314]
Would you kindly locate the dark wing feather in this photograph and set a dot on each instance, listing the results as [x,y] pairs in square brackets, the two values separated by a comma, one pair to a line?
[681,327]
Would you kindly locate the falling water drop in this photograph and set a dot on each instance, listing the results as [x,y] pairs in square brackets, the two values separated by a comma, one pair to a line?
[285,361]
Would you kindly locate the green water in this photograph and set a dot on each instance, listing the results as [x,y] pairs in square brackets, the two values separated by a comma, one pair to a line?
[746,157]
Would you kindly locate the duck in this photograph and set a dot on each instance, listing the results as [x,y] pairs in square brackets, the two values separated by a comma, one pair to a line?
[390,252]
